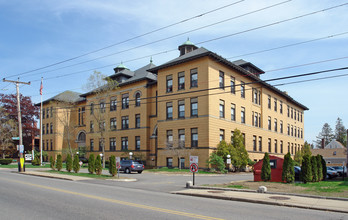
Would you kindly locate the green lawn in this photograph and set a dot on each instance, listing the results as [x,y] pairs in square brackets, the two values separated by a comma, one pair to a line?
[176,170]
[103,176]
[330,186]
[27,165]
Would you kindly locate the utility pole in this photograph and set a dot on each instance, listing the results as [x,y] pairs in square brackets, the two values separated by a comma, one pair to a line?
[21,147]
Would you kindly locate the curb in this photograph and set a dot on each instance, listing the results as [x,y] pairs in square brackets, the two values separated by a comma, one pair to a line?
[53,177]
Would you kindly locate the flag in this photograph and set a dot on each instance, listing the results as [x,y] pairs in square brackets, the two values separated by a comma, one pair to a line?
[41,87]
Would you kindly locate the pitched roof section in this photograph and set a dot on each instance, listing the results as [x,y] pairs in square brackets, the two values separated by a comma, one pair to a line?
[202,52]
[141,74]
[67,96]
[334,145]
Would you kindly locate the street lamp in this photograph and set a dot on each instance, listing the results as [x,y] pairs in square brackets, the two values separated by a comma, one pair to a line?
[228,161]
[130,155]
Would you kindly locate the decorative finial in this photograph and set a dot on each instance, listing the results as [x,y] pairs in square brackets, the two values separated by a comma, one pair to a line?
[151,59]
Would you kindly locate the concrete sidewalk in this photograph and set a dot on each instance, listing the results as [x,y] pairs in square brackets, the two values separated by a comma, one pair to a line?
[306,202]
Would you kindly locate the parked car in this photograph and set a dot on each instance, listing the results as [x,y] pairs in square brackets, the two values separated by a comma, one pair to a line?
[129,166]
[339,170]
[297,172]
[330,173]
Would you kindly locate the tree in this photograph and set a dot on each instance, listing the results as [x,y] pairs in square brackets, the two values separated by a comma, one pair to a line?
[323,164]
[340,132]
[306,169]
[314,169]
[177,148]
[59,164]
[305,150]
[98,165]
[223,149]
[8,129]
[239,155]
[52,163]
[68,163]
[320,168]
[326,134]
[100,85]
[217,161]
[298,157]
[91,164]
[288,174]
[76,163]
[266,168]
[29,114]
[112,165]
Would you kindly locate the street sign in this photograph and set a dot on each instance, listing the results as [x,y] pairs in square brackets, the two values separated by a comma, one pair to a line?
[15,138]
[118,163]
[28,157]
[228,161]
[194,159]
[194,168]
[20,148]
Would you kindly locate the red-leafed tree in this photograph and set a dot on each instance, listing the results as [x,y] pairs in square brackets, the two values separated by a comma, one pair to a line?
[29,112]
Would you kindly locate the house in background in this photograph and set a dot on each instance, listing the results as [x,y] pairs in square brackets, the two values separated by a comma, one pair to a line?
[335,154]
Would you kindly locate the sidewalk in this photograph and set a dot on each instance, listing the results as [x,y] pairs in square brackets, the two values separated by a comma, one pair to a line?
[306,202]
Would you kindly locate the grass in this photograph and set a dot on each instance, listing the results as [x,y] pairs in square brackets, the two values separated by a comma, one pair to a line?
[176,170]
[27,165]
[237,186]
[326,186]
[102,176]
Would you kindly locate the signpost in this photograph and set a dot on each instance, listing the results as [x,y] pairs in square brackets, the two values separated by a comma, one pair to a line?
[194,166]
[118,166]
[15,138]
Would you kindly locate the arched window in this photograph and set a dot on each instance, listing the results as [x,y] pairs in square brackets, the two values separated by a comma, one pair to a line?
[81,137]
[137,99]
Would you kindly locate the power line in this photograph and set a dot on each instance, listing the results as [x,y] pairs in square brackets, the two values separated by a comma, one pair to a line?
[133,38]
[160,40]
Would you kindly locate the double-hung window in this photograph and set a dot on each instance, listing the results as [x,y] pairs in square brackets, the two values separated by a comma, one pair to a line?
[137,121]
[112,144]
[112,124]
[169,110]
[181,109]
[125,122]
[169,83]
[181,80]
[242,89]
[181,138]
[242,115]
[194,107]
[125,101]
[233,85]
[194,137]
[124,143]
[113,104]
[222,109]
[233,112]
[221,80]
[194,78]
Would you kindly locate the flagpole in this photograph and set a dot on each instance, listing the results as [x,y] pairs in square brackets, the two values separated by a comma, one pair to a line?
[41,86]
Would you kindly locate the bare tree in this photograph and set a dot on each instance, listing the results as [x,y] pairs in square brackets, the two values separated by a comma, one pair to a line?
[100,86]
[8,129]
[177,148]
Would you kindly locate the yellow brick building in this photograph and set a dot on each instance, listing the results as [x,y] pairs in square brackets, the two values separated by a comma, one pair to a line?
[189,103]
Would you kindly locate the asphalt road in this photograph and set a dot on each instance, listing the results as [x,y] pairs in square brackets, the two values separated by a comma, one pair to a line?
[30,197]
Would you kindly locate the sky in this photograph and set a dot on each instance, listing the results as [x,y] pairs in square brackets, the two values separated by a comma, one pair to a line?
[61,41]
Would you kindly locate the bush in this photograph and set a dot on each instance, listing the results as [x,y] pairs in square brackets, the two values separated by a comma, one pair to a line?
[52,163]
[76,163]
[36,161]
[68,163]
[59,164]
[91,164]
[5,161]
[266,168]
[314,169]
[288,174]
[217,162]
[323,164]
[306,169]
[112,165]
[320,168]
[98,166]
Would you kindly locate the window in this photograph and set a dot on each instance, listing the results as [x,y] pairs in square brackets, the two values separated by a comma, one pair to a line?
[259,120]
[125,101]
[292,148]
[292,130]
[233,85]
[137,121]
[102,126]
[181,137]
[281,146]
[260,144]
[112,124]
[232,133]
[43,144]
[51,128]
[281,107]
[51,110]
[221,80]
[295,132]
[51,145]
[47,140]
[301,133]
[137,99]
[112,144]
[91,144]
[242,89]
[295,114]
[101,144]
[243,134]
[169,83]
[281,126]
[47,129]
[194,137]
[242,115]
[254,143]
[83,115]
[169,162]
[79,117]
[170,138]
[194,78]
[256,96]
[301,116]
[91,126]
[181,80]
[275,104]
[124,143]
[256,124]
[275,125]
[288,147]
[43,129]
[292,113]
[269,101]
[233,112]
[169,110]
[92,108]
[137,142]
[113,104]
[269,145]
[222,109]
[288,112]
[298,116]
[275,146]
[43,113]
[269,123]
[125,122]
[222,135]
[194,107]
[288,129]
[47,116]
[102,106]
[181,109]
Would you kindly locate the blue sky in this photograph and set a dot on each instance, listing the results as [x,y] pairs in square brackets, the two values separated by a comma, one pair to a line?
[39,33]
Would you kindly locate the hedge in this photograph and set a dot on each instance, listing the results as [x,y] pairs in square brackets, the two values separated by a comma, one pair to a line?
[5,161]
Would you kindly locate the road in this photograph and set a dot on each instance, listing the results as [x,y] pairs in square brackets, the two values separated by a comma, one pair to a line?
[30,197]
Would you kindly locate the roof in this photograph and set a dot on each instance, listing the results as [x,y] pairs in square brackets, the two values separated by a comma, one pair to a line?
[202,52]
[334,145]
[243,63]
[67,96]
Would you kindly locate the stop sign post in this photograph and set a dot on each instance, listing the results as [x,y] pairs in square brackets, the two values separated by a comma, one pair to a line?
[193,166]
[118,166]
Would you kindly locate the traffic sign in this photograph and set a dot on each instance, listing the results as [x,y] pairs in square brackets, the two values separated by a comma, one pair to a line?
[194,159]
[118,164]
[194,168]
[15,138]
